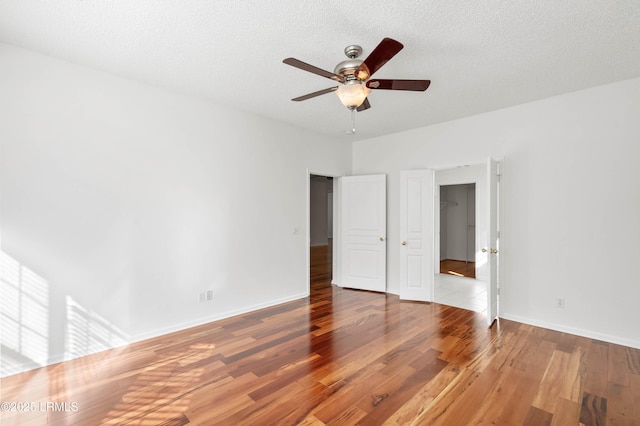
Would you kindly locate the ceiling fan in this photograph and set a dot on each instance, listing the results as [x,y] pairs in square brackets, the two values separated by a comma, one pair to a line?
[355,75]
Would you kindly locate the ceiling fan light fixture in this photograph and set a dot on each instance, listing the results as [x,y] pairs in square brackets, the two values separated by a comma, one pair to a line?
[352,93]
[354,76]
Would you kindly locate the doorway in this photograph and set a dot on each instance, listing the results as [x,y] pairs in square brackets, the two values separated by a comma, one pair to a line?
[461,275]
[320,231]
[458,230]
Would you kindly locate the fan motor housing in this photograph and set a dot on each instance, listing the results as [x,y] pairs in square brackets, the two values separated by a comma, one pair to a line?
[347,68]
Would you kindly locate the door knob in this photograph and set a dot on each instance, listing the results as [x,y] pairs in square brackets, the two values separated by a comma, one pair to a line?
[484,250]
[404,243]
[494,251]
[381,238]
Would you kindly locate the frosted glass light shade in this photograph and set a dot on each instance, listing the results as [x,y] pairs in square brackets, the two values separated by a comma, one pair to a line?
[352,94]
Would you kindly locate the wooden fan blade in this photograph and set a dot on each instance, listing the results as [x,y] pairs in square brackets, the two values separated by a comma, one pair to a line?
[413,85]
[307,67]
[387,49]
[364,106]
[314,94]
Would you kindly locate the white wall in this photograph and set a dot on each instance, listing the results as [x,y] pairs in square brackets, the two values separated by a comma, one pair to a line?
[571,202]
[126,202]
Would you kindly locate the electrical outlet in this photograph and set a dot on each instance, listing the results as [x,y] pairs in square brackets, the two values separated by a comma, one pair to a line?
[560,303]
[201,296]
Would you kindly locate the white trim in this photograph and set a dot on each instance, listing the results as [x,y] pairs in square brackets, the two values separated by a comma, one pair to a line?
[218,317]
[166,330]
[336,232]
[575,331]
[336,274]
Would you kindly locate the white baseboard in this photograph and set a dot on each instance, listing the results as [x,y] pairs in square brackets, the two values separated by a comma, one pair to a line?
[57,358]
[216,317]
[573,330]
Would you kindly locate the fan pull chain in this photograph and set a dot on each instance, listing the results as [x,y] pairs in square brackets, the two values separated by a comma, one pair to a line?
[353,120]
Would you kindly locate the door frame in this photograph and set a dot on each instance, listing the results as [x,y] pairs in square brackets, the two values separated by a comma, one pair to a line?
[459,178]
[475,173]
[336,232]
[336,271]
[482,204]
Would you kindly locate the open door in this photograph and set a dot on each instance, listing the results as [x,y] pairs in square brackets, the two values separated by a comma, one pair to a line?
[363,231]
[491,248]
[416,235]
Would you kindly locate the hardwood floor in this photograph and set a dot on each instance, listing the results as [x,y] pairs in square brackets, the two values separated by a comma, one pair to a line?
[321,264]
[459,268]
[342,357]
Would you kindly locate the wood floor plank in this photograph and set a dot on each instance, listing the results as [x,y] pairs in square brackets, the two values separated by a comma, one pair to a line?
[413,410]
[342,357]
[438,410]
[574,376]
[385,398]
[348,395]
[633,392]
[566,343]
[398,389]
[458,268]
[620,405]
[467,404]
[567,413]
[593,410]
[512,344]
[633,360]
[215,402]
[596,379]
[511,393]
[553,382]
[618,368]
[351,416]
[537,417]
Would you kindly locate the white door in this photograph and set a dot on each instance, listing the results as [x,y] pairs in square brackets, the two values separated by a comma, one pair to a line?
[416,234]
[363,232]
[491,247]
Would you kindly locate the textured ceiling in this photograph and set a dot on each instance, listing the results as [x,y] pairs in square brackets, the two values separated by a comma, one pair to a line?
[480,56]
